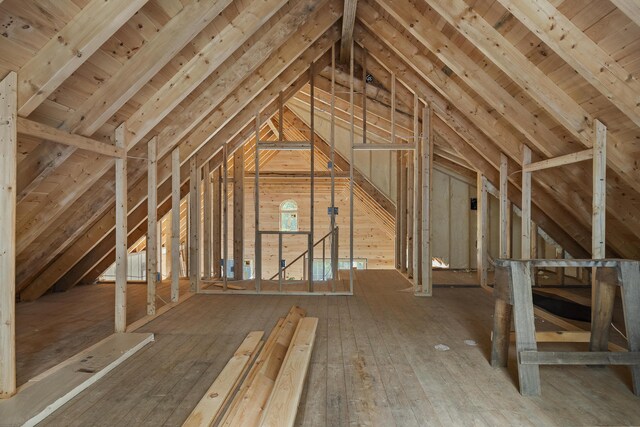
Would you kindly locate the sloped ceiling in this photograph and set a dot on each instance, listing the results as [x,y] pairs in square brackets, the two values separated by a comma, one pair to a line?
[498,74]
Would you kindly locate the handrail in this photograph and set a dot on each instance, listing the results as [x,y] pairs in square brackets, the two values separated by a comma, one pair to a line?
[304,253]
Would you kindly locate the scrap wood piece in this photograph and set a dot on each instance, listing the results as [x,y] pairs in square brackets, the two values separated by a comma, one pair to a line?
[209,408]
[218,284]
[282,407]
[248,405]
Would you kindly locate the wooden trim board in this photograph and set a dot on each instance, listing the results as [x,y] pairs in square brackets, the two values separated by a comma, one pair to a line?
[46,393]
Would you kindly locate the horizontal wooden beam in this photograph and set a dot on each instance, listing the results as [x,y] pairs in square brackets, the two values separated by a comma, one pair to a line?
[567,159]
[48,133]
[384,147]
[602,263]
[289,145]
[299,174]
[579,358]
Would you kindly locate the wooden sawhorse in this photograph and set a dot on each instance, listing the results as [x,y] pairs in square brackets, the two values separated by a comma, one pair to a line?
[514,280]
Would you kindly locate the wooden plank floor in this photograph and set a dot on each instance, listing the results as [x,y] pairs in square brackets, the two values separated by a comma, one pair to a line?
[59,325]
[374,363]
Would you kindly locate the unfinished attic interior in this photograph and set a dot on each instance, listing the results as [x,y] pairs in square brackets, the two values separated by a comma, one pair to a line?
[319,212]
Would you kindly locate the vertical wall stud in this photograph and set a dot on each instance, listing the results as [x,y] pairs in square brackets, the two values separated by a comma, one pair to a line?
[152,225]
[8,159]
[175,225]
[121,233]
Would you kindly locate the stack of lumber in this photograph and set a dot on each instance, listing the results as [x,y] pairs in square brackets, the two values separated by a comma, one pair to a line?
[274,375]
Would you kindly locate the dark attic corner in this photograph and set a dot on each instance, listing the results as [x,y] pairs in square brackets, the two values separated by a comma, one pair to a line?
[319,212]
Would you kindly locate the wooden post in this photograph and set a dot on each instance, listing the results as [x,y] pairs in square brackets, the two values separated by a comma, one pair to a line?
[417,198]
[427,178]
[168,244]
[505,209]
[225,218]
[599,191]
[526,206]
[402,214]
[409,220]
[334,236]
[256,205]
[351,163]
[206,222]
[238,213]
[216,219]
[175,225]
[121,233]
[363,64]
[398,246]
[152,225]
[560,254]
[599,291]
[521,283]
[482,228]
[8,159]
[312,118]
[194,224]
[534,250]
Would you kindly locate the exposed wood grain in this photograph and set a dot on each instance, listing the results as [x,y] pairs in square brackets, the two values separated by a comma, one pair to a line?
[202,65]
[175,225]
[238,214]
[348,21]
[152,225]
[283,403]
[210,406]
[38,130]
[70,48]
[8,165]
[578,50]
[121,235]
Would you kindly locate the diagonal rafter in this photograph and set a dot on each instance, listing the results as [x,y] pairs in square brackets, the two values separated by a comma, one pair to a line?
[578,50]
[196,110]
[466,128]
[533,81]
[92,249]
[560,184]
[69,49]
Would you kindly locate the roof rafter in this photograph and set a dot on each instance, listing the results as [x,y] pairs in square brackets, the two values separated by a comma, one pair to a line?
[348,21]
[89,252]
[631,8]
[484,146]
[69,49]
[202,65]
[104,102]
[273,42]
[579,51]
[532,80]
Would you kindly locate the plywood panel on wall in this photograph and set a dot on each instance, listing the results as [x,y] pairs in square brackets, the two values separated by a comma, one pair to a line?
[459,224]
[441,217]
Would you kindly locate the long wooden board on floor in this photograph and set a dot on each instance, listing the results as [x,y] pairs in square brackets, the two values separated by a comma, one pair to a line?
[46,393]
[283,404]
[208,409]
[250,404]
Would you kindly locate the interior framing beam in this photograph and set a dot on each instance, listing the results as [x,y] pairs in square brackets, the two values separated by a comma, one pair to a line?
[8,166]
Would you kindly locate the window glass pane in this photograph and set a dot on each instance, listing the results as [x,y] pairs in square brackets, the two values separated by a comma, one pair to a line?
[288,221]
[288,205]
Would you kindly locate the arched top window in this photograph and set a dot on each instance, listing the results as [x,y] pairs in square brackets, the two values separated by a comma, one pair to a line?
[288,216]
